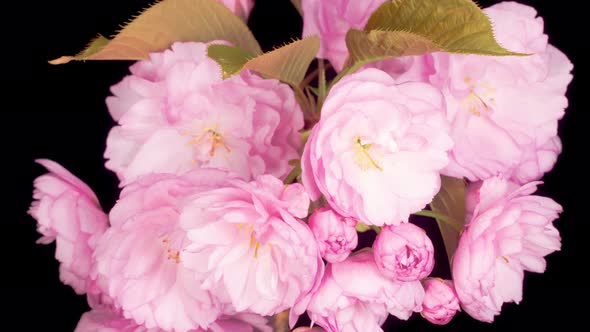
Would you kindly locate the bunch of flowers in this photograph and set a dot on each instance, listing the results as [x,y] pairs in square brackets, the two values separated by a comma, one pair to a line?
[245,183]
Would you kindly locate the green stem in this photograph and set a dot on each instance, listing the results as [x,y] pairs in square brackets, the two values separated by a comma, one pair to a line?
[349,70]
[321,84]
[444,218]
[309,78]
[305,136]
[293,175]
[302,99]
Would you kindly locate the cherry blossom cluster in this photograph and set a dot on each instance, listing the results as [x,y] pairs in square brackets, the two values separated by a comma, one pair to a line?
[207,234]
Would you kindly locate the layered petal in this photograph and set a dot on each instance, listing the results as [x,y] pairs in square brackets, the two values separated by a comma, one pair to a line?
[68,212]
[378,149]
[509,231]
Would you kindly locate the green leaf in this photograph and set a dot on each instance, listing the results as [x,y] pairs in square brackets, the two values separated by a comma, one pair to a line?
[297,5]
[414,27]
[166,22]
[288,63]
[231,59]
[450,201]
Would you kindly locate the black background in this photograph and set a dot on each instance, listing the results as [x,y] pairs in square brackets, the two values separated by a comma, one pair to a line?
[58,112]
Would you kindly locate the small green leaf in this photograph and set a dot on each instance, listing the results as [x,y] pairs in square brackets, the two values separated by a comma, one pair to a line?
[166,22]
[450,201]
[361,228]
[413,27]
[297,5]
[288,63]
[231,59]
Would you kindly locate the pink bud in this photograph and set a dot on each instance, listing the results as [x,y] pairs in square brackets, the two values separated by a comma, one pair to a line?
[404,252]
[336,235]
[440,301]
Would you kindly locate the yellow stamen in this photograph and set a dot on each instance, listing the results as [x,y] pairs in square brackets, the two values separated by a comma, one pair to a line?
[252,240]
[255,244]
[216,140]
[174,255]
[364,151]
[256,247]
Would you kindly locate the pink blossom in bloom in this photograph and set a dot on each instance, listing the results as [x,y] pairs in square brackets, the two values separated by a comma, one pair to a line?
[68,212]
[509,231]
[105,320]
[139,263]
[336,235]
[242,8]
[404,252]
[175,114]
[503,110]
[440,301]
[377,151]
[354,297]
[331,20]
[262,255]
[308,329]
[183,250]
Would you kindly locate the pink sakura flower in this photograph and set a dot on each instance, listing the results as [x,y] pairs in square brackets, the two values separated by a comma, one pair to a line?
[355,297]
[509,231]
[440,301]
[503,111]
[263,257]
[175,114]
[183,250]
[105,320]
[68,212]
[378,149]
[138,260]
[404,252]
[336,236]
[331,20]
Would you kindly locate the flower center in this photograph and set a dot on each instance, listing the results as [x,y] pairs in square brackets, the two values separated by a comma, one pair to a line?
[363,156]
[407,259]
[172,254]
[254,243]
[211,135]
[481,97]
[337,243]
